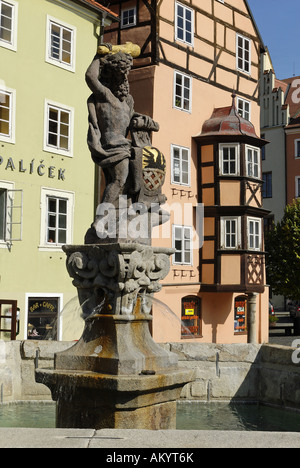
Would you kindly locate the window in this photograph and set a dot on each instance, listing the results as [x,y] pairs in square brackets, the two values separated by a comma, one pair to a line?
[128,18]
[8,24]
[267,185]
[244,108]
[43,317]
[240,315]
[253,162]
[229,159]
[191,317]
[182,92]
[231,233]
[243,54]
[59,129]
[2,214]
[180,165]
[182,242]
[297,148]
[297,187]
[57,218]
[254,234]
[7,115]
[60,44]
[184,27]
[11,213]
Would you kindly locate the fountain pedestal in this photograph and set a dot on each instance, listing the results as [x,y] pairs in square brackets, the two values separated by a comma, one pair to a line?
[116,376]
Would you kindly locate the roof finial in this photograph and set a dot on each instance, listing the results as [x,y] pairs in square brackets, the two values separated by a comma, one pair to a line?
[233,97]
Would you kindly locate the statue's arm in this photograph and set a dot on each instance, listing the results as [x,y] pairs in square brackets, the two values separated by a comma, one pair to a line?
[92,77]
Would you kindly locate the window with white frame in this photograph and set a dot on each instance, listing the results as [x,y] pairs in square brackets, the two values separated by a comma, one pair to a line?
[11,213]
[128,17]
[297,189]
[58,129]
[182,242]
[60,44]
[184,24]
[8,24]
[297,148]
[254,234]
[56,218]
[253,161]
[7,115]
[243,54]
[229,159]
[180,165]
[231,232]
[182,91]
[244,108]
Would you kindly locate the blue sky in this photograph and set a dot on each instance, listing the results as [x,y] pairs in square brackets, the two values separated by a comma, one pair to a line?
[278,23]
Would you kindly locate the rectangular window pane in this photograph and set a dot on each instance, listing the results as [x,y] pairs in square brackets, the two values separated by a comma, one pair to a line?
[182,244]
[5,113]
[181,165]
[6,22]
[61,43]
[57,220]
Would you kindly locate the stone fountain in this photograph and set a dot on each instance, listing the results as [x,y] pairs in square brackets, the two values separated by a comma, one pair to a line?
[116,376]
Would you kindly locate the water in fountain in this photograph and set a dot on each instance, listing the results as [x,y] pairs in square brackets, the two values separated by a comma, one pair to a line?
[162,314]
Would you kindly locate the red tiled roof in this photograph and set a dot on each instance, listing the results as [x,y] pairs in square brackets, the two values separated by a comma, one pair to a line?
[97,6]
[226,121]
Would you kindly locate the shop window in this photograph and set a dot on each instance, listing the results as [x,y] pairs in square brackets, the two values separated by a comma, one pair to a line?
[191,317]
[43,318]
[240,315]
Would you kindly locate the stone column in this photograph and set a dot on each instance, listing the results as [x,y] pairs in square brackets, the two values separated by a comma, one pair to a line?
[251,318]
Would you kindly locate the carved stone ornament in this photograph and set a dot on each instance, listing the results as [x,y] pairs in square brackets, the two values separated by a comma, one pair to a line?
[116,273]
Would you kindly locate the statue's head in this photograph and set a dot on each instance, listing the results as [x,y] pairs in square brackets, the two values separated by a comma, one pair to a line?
[114,73]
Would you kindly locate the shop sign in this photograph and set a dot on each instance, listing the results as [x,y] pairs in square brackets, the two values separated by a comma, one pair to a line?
[34,167]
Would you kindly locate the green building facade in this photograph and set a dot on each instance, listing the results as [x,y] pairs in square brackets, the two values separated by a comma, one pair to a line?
[46,174]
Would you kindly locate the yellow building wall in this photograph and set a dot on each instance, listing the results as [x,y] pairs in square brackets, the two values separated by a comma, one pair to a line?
[26,268]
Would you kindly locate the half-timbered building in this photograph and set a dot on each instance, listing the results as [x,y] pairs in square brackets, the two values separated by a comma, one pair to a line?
[194,53]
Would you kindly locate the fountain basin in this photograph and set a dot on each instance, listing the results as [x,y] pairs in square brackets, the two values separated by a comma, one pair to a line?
[92,400]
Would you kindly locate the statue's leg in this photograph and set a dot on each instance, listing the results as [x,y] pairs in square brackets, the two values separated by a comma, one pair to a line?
[118,174]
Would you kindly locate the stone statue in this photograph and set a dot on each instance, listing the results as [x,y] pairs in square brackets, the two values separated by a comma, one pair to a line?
[132,168]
